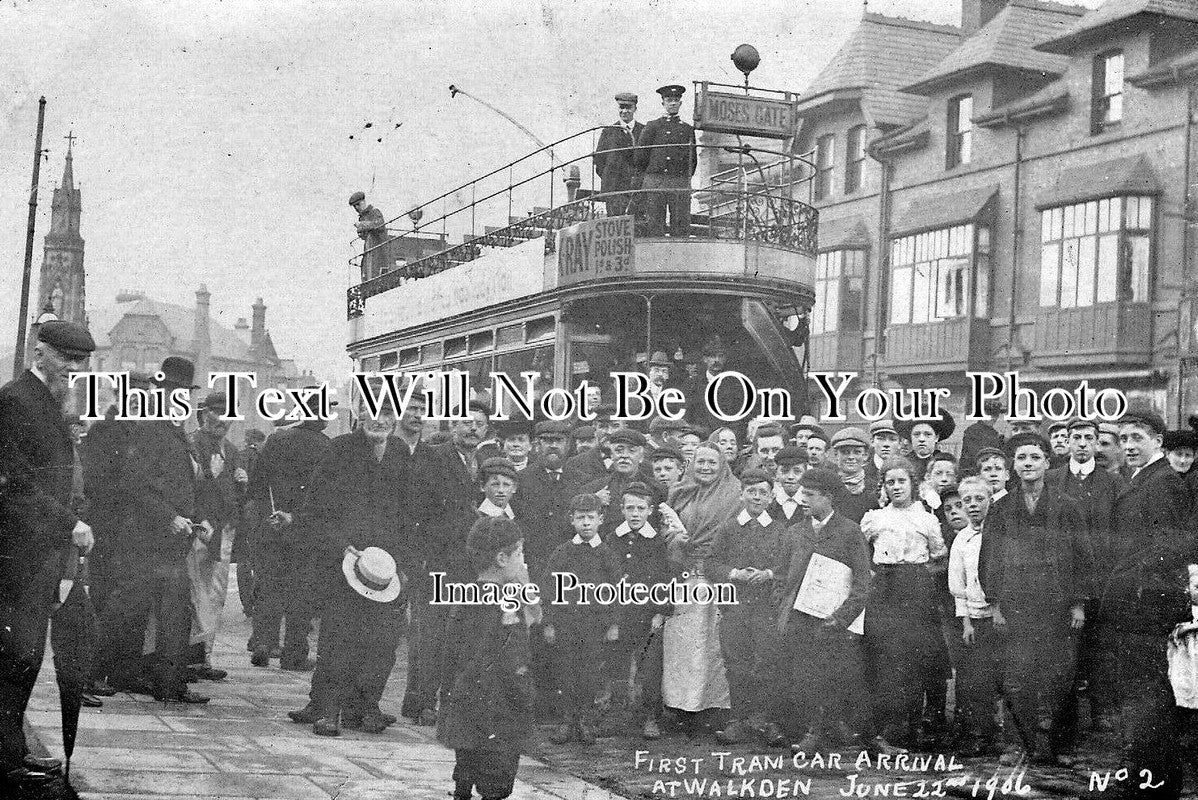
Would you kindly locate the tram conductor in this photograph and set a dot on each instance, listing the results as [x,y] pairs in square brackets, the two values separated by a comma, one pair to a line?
[667,157]
[614,157]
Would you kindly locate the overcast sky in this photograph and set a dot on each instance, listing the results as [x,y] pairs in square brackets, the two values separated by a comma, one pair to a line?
[214,138]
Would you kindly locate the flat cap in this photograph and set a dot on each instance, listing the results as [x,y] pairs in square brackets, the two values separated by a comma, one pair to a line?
[66,337]
[849,436]
[790,455]
[357,197]
[1146,417]
[660,424]
[508,428]
[552,427]
[627,436]
[672,90]
[1110,428]
[1026,438]
[1058,425]
[667,452]
[882,426]
[638,489]
[584,432]
[754,475]
[823,480]
[626,97]
[497,466]
[660,359]
[1080,422]
[818,433]
[987,452]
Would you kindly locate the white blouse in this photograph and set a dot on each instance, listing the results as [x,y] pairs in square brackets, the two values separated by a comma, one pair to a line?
[903,535]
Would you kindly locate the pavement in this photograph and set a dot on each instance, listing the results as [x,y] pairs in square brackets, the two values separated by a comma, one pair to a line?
[242,745]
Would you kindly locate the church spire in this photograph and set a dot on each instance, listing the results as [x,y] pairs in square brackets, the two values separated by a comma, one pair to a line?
[68,174]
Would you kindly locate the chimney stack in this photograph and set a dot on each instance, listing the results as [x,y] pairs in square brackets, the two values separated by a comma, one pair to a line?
[976,13]
[242,328]
[202,337]
[258,331]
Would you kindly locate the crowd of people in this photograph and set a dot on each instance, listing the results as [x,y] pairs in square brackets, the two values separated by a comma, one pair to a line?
[1040,573]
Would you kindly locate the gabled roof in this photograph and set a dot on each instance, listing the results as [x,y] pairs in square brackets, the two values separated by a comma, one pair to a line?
[844,233]
[1005,43]
[879,57]
[179,321]
[1113,12]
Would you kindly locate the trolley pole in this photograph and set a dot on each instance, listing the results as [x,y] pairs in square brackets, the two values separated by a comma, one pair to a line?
[18,361]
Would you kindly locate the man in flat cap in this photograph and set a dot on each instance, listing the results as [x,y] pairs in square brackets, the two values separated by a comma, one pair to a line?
[37,526]
[667,157]
[614,157]
[372,230]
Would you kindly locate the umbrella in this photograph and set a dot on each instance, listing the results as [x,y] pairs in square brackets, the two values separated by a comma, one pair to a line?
[72,637]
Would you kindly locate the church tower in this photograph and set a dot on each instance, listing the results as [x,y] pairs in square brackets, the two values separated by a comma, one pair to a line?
[61,281]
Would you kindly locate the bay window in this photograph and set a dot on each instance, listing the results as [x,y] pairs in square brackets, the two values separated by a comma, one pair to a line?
[1096,252]
[940,274]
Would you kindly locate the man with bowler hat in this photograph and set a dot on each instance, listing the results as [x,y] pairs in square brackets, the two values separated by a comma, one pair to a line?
[372,230]
[667,157]
[158,480]
[614,157]
[37,526]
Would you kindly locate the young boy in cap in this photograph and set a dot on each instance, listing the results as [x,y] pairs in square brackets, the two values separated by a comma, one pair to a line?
[667,467]
[499,484]
[848,454]
[994,470]
[827,683]
[487,696]
[751,550]
[578,627]
[641,552]
[787,504]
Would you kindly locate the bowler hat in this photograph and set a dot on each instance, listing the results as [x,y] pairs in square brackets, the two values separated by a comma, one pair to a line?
[660,359]
[66,337]
[849,436]
[627,436]
[626,97]
[357,197]
[507,428]
[176,372]
[372,574]
[672,90]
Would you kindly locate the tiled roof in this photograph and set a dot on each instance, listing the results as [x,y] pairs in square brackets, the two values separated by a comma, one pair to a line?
[1130,175]
[877,60]
[1113,11]
[843,233]
[954,208]
[179,321]
[1006,42]
[1051,99]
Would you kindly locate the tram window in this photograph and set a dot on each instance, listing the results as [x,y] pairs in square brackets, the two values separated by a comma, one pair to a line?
[409,356]
[370,364]
[389,360]
[537,359]
[455,347]
[594,362]
[430,353]
[538,330]
[481,341]
[510,335]
[479,370]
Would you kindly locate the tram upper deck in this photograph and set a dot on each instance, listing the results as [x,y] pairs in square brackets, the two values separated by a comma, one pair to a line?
[573,293]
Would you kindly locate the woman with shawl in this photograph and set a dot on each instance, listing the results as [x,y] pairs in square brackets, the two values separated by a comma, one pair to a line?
[693,670]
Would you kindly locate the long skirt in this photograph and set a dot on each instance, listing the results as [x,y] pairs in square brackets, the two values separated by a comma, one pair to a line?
[209,574]
[693,676]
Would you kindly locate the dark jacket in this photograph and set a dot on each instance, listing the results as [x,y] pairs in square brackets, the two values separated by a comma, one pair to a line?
[1150,548]
[613,164]
[427,516]
[1094,497]
[616,482]
[540,504]
[158,479]
[977,436]
[680,160]
[854,506]
[643,560]
[281,477]
[589,564]
[102,455]
[1008,543]
[447,551]
[487,690]
[751,545]
[355,499]
[218,497]
[36,466]
[840,540]
[583,468]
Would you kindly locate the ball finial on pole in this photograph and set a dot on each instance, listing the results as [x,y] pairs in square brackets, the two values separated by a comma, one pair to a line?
[746,58]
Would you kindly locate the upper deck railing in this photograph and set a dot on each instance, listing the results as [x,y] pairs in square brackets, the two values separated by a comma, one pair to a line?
[742,205]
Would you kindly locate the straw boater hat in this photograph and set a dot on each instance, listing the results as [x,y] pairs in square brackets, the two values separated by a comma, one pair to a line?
[372,574]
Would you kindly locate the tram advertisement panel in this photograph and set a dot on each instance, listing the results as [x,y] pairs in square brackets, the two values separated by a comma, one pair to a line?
[600,248]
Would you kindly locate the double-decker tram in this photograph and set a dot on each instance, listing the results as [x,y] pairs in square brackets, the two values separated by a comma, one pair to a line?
[573,294]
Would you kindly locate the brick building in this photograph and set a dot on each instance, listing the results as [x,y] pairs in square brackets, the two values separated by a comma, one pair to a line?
[1012,193]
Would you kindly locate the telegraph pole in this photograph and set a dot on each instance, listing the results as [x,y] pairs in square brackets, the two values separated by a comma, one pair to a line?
[18,361]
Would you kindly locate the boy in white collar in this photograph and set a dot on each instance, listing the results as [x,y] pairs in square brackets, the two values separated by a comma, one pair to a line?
[752,550]
[499,482]
[994,470]
[576,626]
[786,504]
[640,550]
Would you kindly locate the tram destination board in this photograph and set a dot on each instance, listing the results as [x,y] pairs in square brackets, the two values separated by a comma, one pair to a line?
[737,113]
[598,248]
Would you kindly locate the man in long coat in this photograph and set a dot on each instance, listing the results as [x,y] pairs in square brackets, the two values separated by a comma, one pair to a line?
[37,525]
[667,157]
[614,157]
